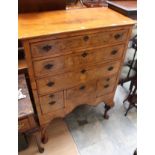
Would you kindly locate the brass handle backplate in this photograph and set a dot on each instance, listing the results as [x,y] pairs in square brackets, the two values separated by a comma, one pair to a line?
[118,35]
[114,52]
[52,102]
[82,87]
[84,54]
[48,66]
[106,86]
[51,95]
[110,68]
[83,71]
[86,38]
[47,48]
[50,84]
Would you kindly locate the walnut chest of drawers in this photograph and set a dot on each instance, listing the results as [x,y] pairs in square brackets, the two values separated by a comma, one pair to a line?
[74,57]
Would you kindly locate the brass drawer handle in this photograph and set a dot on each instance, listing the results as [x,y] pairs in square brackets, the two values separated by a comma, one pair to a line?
[114,52]
[50,84]
[48,66]
[108,79]
[47,48]
[86,38]
[51,95]
[106,86]
[118,36]
[52,102]
[84,54]
[110,68]
[83,71]
[82,87]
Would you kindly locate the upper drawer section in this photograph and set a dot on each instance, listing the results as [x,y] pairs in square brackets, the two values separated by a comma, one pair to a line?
[62,46]
[70,62]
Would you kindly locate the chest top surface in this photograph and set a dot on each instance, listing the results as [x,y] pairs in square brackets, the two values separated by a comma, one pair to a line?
[32,25]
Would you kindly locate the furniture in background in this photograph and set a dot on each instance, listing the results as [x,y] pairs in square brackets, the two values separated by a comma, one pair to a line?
[27,123]
[74,59]
[25,6]
[135,153]
[129,69]
[94,3]
[132,96]
[125,7]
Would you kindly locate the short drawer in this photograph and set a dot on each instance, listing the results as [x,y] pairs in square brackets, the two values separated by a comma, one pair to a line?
[105,85]
[51,102]
[64,45]
[118,36]
[71,79]
[81,94]
[23,125]
[66,63]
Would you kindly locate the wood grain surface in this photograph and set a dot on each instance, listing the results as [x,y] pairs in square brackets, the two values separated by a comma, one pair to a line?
[55,22]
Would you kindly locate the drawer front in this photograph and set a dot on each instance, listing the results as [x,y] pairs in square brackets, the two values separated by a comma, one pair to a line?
[98,55]
[81,90]
[105,85]
[23,125]
[62,64]
[70,79]
[53,66]
[62,46]
[81,94]
[51,102]
[118,36]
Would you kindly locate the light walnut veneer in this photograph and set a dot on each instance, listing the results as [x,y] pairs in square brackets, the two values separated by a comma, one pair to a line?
[74,57]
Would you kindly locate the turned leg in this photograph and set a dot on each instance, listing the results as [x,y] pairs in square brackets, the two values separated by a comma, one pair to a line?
[44,137]
[37,139]
[107,108]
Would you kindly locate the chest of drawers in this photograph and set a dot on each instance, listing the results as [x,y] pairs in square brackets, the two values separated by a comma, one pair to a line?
[74,57]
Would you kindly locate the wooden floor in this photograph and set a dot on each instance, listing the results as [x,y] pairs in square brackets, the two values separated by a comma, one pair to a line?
[90,134]
[60,141]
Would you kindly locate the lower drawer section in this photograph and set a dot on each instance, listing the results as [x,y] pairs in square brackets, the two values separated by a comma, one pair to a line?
[52,102]
[91,92]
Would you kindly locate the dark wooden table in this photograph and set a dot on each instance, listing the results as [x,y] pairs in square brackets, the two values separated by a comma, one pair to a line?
[127,8]
[27,123]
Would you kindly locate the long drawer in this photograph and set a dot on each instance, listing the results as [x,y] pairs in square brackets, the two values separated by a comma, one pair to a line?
[71,62]
[71,79]
[64,45]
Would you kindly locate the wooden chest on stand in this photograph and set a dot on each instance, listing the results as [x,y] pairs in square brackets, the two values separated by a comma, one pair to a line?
[74,57]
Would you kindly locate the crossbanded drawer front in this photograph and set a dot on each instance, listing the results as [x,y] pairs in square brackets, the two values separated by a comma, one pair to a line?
[81,90]
[52,102]
[105,85]
[70,62]
[70,79]
[118,36]
[98,55]
[81,94]
[63,46]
